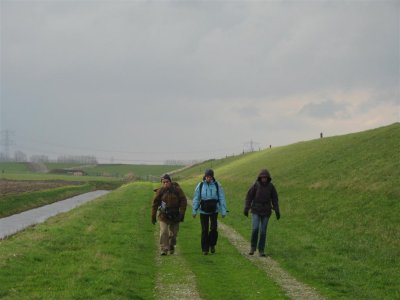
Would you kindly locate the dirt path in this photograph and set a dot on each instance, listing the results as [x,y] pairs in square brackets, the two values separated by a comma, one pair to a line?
[166,286]
[294,289]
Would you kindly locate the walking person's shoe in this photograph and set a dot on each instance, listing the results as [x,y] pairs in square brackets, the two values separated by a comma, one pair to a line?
[262,254]
[163,253]
[205,252]
[212,249]
[171,250]
[251,252]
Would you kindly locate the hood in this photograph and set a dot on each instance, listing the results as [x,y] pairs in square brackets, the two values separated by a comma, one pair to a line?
[264,173]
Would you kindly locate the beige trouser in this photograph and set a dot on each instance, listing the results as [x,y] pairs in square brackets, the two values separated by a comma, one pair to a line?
[168,234]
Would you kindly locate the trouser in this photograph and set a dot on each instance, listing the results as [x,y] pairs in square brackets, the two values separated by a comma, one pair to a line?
[259,225]
[209,233]
[168,235]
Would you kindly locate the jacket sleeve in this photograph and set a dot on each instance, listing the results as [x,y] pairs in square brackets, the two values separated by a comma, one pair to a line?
[182,201]
[275,201]
[156,204]
[222,201]
[196,200]
[249,197]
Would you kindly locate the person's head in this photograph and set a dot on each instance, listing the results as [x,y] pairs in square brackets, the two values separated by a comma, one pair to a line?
[264,176]
[166,180]
[209,175]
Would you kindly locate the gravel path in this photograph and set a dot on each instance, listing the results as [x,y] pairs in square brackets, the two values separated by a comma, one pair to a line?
[294,289]
[170,289]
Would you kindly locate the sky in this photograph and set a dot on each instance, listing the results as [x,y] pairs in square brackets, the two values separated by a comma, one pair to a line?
[150,81]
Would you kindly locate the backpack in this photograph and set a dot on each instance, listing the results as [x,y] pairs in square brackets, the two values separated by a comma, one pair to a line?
[209,206]
[172,213]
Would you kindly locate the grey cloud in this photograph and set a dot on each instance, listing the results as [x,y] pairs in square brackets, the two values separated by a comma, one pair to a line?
[324,109]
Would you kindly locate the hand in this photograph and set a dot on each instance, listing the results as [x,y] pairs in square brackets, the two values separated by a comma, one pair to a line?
[246,213]
[278,215]
[194,216]
[153,221]
[181,217]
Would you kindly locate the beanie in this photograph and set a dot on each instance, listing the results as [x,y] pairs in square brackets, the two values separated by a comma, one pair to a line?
[209,172]
[166,177]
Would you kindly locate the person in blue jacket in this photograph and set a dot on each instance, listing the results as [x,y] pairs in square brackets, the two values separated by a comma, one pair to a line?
[209,200]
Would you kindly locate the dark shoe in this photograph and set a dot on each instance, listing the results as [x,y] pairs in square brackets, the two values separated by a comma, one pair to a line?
[212,249]
[205,252]
[262,254]
[163,253]
[252,251]
[171,250]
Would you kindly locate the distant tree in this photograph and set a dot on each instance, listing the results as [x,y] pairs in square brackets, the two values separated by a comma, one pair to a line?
[20,156]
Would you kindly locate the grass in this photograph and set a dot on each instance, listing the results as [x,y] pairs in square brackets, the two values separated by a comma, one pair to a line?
[100,251]
[339,230]
[226,274]
[218,275]
[16,203]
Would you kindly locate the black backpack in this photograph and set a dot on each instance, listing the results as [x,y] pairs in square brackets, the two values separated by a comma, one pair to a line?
[209,206]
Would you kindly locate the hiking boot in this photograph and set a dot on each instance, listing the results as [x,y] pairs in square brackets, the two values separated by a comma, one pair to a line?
[171,250]
[163,253]
[205,252]
[212,249]
[252,251]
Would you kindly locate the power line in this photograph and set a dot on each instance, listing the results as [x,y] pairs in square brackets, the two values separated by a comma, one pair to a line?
[7,141]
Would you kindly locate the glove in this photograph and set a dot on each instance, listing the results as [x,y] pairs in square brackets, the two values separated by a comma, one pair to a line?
[153,220]
[278,215]
[246,212]
[181,217]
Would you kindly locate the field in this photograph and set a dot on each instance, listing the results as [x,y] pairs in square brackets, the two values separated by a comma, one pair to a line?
[339,232]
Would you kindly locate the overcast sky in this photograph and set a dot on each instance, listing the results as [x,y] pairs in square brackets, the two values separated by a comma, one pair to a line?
[147,81]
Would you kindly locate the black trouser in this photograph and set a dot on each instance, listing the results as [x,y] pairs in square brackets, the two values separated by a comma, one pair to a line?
[209,236]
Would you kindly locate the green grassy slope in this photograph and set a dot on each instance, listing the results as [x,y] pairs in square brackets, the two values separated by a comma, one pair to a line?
[340,209]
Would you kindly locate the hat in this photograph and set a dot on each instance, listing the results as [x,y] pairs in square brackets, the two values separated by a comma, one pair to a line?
[209,172]
[166,177]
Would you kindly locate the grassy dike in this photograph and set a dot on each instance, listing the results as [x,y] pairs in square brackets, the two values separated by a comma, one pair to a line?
[103,250]
[339,231]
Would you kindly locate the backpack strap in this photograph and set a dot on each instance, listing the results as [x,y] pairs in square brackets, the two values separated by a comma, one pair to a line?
[216,186]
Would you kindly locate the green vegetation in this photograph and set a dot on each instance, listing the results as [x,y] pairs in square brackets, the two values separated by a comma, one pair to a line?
[103,250]
[225,274]
[141,171]
[18,202]
[339,230]
[13,168]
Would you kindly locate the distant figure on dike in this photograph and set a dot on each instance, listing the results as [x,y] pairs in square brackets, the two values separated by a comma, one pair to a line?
[209,200]
[261,199]
[170,202]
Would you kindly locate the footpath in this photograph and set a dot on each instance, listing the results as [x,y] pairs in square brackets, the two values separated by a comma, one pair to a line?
[187,290]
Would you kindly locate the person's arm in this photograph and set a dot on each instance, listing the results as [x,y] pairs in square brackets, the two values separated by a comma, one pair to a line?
[182,204]
[275,202]
[222,200]
[154,207]
[196,200]
[249,199]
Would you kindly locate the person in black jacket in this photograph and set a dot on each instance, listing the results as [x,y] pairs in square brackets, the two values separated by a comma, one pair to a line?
[261,199]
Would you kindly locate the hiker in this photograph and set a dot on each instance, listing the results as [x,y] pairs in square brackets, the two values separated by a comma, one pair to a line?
[171,202]
[209,199]
[261,199]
